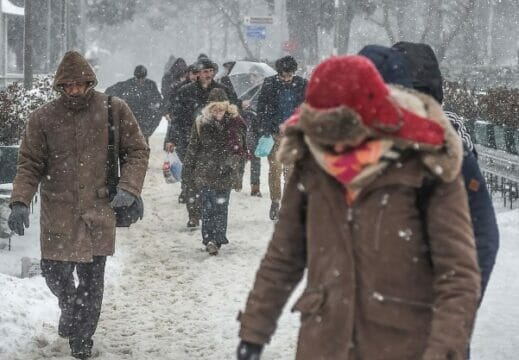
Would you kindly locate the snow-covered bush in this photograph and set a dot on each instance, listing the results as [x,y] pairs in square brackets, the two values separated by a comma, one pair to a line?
[460,99]
[16,103]
[501,106]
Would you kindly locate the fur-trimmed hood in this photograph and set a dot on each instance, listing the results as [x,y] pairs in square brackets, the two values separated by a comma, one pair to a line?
[206,117]
[342,125]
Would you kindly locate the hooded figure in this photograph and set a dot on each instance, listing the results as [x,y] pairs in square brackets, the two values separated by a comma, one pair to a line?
[387,278]
[64,151]
[143,97]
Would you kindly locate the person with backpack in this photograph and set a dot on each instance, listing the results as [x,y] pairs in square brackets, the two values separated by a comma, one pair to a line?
[414,65]
[215,150]
[385,278]
[65,151]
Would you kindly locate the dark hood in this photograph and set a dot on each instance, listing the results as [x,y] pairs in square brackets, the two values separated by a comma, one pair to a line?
[424,66]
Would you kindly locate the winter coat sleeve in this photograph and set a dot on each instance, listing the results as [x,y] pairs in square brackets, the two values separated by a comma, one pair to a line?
[133,148]
[456,280]
[231,94]
[265,107]
[483,217]
[157,107]
[32,161]
[180,108]
[189,164]
[280,270]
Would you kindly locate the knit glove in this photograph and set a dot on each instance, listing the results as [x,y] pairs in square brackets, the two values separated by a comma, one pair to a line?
[248,351]
[18,218]
[122,199]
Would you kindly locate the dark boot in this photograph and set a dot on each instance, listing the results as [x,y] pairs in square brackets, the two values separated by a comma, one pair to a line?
[182,198]
[255,190]
[211,248]
[274,210]
[81,348]
[193,223]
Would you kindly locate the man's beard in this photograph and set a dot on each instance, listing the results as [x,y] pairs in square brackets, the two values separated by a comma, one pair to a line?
[77,102]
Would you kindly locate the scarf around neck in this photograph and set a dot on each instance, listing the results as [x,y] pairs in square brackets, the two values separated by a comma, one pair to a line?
[357,167]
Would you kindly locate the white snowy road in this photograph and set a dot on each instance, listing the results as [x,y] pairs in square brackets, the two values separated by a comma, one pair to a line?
[165,298]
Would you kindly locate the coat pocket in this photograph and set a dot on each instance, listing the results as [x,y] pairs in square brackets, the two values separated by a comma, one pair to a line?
[310,302]
[398,312]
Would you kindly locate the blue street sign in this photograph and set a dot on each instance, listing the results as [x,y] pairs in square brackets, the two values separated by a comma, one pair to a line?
[256,32]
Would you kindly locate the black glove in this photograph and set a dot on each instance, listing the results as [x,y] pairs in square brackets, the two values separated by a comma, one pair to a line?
[123,199]
[248,351]
[18,218]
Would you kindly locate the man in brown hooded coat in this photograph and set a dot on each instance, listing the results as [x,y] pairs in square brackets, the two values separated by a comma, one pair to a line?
[64,150]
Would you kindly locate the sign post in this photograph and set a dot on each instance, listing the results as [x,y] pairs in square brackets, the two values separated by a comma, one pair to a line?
[256,30]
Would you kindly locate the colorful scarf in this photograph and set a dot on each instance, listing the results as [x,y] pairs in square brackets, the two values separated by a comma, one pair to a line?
[356,168]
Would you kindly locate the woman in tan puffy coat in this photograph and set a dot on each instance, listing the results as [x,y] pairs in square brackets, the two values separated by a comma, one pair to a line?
[387,277]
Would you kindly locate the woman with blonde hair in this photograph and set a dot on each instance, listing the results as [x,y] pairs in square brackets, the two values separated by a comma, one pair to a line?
[215,149]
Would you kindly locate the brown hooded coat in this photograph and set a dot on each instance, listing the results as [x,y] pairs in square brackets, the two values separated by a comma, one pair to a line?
[64,150]
[381,284]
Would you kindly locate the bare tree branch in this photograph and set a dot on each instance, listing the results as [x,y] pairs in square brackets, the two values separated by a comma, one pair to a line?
[234,20]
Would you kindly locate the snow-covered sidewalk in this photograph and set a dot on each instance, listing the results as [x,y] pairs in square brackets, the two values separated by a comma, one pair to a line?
[166,298]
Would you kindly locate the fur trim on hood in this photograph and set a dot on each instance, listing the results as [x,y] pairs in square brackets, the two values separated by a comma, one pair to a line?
[344,126]
[205,116]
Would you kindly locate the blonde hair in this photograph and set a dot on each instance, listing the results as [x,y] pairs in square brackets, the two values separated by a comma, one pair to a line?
[226,106]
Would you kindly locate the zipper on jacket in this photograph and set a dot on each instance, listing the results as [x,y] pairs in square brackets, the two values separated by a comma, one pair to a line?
[378,223]
[394,299]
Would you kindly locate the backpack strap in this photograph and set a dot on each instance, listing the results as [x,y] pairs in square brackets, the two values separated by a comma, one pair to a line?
[112,178]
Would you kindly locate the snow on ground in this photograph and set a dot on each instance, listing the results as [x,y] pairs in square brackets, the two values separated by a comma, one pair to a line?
[165,298]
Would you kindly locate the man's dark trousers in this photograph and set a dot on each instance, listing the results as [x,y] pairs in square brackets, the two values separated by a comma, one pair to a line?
[80,305]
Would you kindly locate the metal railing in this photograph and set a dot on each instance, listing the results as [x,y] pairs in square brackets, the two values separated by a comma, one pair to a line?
[7,79]
[501,171]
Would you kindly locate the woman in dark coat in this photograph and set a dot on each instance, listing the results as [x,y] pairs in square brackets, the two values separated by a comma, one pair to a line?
[215,149]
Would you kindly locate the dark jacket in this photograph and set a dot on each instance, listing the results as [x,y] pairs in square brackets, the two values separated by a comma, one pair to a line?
[427,78]
[486,231]
[214,151]
[144,100]
[172,78]
[421,65]
[64,152]
[268,101]
[191,99]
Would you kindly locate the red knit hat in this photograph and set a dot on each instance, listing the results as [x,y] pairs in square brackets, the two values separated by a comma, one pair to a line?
[354,82]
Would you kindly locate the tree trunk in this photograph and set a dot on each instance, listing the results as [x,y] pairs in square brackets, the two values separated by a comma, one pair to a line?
[470,43]
[345,15]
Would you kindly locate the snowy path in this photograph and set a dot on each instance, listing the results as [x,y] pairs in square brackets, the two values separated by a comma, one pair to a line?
[165,298]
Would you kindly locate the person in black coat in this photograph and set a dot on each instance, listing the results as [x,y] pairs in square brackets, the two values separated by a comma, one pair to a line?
[174,76]
[215,150]
[143,98]
[190,101]
[419,69]
[279,97]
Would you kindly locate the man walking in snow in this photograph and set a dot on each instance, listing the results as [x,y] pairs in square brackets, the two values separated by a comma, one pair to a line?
[280,95]
[143,97]
[64,150]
